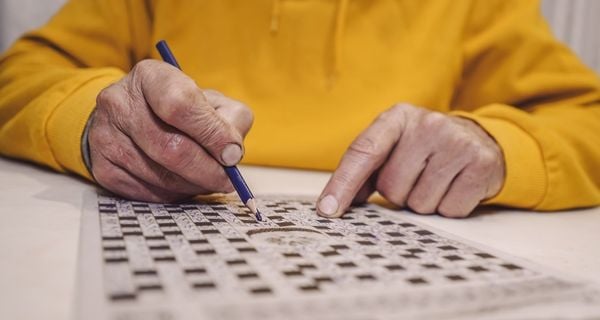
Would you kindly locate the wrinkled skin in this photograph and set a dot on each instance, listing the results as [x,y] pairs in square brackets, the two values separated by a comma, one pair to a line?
[424,160]
[155,136]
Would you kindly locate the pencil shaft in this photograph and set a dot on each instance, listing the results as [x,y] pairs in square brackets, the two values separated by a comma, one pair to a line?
[167,54]
[239,184]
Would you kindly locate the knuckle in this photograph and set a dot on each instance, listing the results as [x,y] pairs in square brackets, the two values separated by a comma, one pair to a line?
[402,107]
[461,140]
[181,91]
[173,152]
[144,71]
[385,187]
[419,204]
[249,118]
[395,114]
[145,67]
[470,141]
[487,158]
[171,114]
[433,121]
[244,112]
[212,93]
[366,147]
[461,137]
[109,97]
[386,115]
[102,96]
[177,103]
[469,150]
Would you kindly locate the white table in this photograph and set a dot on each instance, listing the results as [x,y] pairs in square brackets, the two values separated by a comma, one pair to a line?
[40,213]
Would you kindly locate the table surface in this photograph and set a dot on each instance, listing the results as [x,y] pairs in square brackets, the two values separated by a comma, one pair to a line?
[40,213]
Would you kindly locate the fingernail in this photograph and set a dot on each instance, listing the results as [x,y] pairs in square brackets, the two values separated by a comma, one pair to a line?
[328,205]
[231,155]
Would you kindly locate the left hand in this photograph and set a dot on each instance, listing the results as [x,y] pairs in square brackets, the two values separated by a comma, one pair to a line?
[416,158]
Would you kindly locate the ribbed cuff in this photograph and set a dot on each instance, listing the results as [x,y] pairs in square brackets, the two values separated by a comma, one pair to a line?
[66,125]
[525,181]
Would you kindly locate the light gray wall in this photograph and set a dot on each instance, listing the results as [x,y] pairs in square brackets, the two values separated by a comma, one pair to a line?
[576,22]
[17,16]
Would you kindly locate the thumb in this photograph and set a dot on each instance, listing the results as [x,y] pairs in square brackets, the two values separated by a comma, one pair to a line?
[176,100]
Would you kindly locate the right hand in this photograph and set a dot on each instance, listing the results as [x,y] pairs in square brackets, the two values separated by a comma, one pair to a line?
[155,136]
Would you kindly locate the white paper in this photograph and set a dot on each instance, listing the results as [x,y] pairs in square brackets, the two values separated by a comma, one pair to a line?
[214,261]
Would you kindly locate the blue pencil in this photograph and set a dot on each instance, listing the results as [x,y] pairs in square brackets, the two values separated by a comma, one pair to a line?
[233,173]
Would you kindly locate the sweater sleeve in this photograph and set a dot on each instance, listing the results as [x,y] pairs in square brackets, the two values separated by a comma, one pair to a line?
[49,79]
[531,94]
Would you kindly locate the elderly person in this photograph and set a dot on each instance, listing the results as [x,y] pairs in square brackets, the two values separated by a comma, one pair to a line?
[437,105]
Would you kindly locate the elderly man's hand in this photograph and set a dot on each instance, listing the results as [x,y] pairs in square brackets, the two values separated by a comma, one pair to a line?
[155,136]
[424,160]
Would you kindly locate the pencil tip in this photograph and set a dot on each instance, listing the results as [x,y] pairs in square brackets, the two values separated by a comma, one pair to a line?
[251,204]
[258,215]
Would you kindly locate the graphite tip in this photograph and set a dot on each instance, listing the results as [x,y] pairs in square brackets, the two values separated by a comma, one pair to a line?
[258,215]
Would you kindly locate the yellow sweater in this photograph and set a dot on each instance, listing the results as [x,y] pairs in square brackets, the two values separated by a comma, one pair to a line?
[316,72]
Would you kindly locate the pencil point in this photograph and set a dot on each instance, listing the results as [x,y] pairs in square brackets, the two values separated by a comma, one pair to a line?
[251,204]
[258,215]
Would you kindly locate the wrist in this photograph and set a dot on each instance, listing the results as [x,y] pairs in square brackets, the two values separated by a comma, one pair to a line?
[85,146]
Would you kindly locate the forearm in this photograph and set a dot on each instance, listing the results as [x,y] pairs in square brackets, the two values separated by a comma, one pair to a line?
[50,78]
[42,114]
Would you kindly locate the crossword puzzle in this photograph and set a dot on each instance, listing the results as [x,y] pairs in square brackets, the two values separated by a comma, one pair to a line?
[216,258]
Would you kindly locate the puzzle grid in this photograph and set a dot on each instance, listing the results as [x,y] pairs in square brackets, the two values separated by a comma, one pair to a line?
[217,249]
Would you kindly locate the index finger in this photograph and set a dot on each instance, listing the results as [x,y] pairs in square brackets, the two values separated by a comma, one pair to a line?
[365,155]
[176,99]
